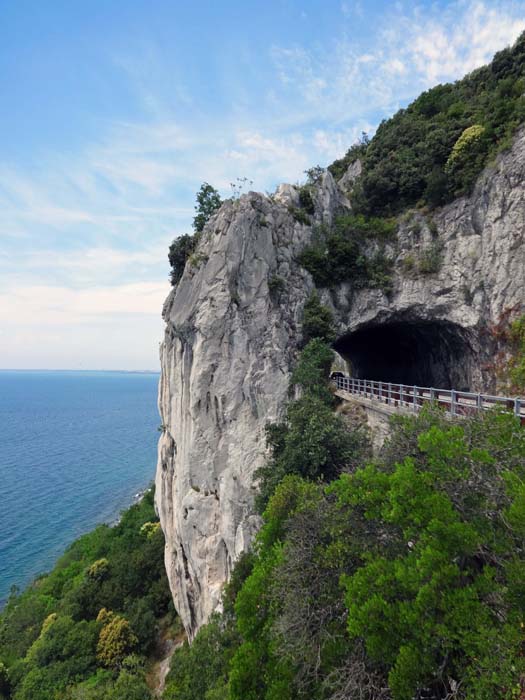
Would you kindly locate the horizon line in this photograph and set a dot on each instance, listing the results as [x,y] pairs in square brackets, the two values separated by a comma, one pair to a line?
[77,369]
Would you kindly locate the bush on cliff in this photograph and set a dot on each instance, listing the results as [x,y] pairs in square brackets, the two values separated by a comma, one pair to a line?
[318,320]
[341,254]
[183,247]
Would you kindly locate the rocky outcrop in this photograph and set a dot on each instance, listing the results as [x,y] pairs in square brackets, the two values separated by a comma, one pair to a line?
[233,324]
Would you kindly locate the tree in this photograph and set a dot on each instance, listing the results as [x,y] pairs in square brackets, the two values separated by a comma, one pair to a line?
[208,201]
[115,642]
[312,370]
[437,598]
[318,321]
[180,250]
[129,686]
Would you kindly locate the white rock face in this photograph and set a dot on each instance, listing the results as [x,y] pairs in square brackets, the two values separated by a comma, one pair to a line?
[232,327]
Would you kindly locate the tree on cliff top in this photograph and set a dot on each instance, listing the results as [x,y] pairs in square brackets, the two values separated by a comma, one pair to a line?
[208,201]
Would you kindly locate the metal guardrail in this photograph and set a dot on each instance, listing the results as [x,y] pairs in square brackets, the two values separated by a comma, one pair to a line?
[457,403]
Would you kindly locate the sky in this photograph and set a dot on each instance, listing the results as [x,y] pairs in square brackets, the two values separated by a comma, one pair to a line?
[113,112]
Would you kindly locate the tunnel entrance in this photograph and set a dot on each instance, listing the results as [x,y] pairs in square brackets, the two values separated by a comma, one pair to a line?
[426,353]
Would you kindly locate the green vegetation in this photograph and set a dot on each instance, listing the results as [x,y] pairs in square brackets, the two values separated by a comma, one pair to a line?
[276,286]
[426,262]
[341,254]
[433,150]
[387,578]
[179,252]
[183,248]
[509,362]
[306,200]
[517,361]
[86,630]
[400,579]
[313,441]
[318,320]
[300,216]
[208,201]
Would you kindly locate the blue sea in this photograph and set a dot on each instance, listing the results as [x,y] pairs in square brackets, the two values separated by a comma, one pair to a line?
[75,449]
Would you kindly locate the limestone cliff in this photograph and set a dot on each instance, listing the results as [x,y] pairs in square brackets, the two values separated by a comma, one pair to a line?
[233,324]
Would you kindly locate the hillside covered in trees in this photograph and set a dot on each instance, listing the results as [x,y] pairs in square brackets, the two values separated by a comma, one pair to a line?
[395,577]
[433,151]
[90,628]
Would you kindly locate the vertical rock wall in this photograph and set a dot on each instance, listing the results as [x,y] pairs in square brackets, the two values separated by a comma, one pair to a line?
[232,327]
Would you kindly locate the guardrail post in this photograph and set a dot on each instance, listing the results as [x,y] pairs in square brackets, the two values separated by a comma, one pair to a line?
[517,407]
[432,394]
[479,402]
[380,395]
[415,398]
[389,393]
[453,402]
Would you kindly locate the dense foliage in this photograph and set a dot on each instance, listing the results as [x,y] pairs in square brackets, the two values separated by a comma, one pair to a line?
[318,320]
[400,580]
[208,201]
[84,630]
[433,150]
[343,253]
[179,252]
[183,247]
[393,578]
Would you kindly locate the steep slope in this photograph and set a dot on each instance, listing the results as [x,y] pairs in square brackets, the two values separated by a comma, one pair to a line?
[233,325]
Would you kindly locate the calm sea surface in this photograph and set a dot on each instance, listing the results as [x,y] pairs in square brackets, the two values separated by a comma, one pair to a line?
[75,448]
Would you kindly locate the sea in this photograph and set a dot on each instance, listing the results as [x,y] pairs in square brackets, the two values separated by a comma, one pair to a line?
[76,448]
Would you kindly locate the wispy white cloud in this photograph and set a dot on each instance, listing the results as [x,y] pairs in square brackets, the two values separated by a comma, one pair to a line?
[90,229]
[414,47]
[58,327]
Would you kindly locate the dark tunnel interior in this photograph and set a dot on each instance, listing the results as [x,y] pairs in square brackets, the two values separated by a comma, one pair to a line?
[426,353]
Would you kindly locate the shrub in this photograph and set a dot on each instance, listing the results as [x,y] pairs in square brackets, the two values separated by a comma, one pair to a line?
[430,259]
[180,250]
[306,200]
[339,255]
[300,215]
[469,141]
[314,175]
[356,152]
[98,570]
[276,286]
[318,320]
[312,369]
[115,642]
[197,259]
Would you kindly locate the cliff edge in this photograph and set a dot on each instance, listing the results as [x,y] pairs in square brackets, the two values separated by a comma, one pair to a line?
[233,326]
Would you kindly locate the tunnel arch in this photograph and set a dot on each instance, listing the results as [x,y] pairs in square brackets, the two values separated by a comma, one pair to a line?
[430,353]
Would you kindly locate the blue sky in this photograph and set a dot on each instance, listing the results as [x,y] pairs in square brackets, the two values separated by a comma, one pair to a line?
[113,112]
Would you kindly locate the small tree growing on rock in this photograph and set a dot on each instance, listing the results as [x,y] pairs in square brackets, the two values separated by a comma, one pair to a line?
[208,201]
